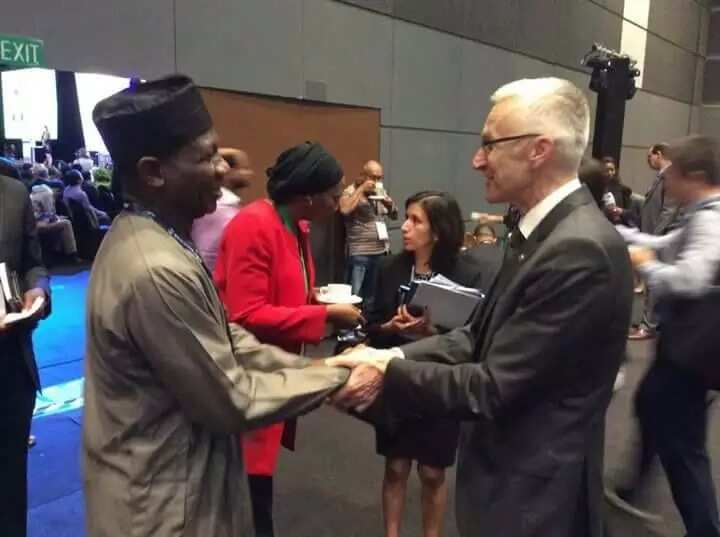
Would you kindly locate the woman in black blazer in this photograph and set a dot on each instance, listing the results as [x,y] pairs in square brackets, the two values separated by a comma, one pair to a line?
[432,237]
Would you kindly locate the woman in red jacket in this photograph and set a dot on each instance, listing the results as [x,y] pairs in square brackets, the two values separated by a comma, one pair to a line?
[265,276]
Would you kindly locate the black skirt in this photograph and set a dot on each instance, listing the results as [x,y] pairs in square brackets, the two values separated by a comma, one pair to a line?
[429,442]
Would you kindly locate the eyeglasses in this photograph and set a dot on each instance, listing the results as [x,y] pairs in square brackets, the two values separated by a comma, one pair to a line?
[486,144]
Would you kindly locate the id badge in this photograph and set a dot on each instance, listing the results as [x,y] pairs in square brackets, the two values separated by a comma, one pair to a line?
[382,231]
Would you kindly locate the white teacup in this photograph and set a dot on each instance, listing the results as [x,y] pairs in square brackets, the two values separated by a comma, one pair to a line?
[337,290]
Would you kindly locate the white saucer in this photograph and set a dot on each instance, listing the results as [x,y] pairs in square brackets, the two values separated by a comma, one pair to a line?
[329,299]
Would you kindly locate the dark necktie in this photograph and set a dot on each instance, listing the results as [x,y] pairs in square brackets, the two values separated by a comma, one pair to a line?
[511,261]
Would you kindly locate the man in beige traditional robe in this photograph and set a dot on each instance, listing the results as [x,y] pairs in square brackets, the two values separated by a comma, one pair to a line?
[167,379]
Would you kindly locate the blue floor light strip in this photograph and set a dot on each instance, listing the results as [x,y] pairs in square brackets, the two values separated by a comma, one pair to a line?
[59,398]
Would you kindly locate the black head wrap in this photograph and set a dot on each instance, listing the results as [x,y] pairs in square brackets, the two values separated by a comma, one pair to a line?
[155,118]
[302,170]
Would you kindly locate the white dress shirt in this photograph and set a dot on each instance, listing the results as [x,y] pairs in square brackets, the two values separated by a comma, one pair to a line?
[531,219]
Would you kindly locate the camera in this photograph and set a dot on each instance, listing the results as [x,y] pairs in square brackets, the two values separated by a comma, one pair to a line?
[609,65]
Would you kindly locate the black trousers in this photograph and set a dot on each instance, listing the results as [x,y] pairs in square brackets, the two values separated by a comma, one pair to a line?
[672,410]
[261,498]
[17,400]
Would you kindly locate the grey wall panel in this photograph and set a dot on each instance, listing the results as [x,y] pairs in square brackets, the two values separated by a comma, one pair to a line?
[711,82]
[383,6]
[616,6]
[130,38]
[484,69]
[676,20]
[650,119]
[348,49]
[634,170]
[526,67]
[426,78]
[385,148]
[448,15]
[582,24]
[246,45]
[493,21]
[713,39]
[696,119]
[710,121]
[539,29]
[669,70]
[704,27]
[420,160]
[699,80]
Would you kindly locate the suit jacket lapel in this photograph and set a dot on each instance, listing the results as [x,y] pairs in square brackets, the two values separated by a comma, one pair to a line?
[480,324]
[653,187]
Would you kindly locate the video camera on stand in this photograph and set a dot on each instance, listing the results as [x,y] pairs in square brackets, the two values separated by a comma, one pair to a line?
[613,79]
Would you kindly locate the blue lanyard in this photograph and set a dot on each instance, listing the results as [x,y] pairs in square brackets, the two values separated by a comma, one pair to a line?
[188,246]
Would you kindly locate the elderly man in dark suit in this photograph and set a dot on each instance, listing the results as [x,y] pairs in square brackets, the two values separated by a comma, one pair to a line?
[532,374]
[20,251]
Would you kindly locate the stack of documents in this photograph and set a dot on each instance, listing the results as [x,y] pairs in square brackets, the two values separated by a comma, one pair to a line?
[449,304]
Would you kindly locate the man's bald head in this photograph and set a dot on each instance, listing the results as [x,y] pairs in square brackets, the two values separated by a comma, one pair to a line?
[372,170]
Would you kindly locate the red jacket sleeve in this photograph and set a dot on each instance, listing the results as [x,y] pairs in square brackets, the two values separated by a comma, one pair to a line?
[251,289]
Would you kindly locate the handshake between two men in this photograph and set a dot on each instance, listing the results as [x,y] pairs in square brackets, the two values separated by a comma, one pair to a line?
[365,382]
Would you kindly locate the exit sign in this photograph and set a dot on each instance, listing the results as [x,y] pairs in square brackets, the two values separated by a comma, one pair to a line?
[16,51]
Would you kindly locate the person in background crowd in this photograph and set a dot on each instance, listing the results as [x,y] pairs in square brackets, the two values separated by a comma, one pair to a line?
[88,186]
[682,270]
[46,176]
[593,174]
[26,175]
[47,159]
[432,238]
[48,222]
[265,275]
[365,206]
[19,380]
[83,160]
[618,199]
[74,191]
[208,230]
[168,380]
[485,234]
[657,216]
[8,169]
[10,152]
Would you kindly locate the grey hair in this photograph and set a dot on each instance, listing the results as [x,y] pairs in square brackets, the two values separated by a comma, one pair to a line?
[558,109]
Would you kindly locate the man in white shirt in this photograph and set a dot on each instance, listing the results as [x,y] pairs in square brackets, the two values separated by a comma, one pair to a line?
[532,374]
[84,160]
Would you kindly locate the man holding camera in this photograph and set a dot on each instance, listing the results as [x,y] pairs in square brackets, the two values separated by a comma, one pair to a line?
[365,205]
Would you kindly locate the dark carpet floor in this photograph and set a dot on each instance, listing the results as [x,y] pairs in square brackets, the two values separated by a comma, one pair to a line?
[330,487]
